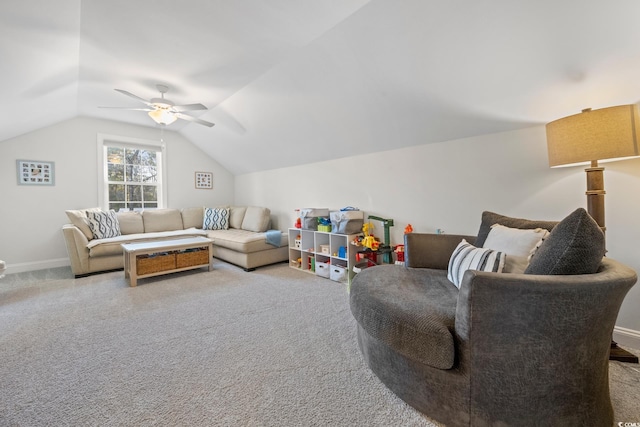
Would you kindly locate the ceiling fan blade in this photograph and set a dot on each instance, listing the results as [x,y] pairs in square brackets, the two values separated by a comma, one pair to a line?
[193,119]
[131,109]
[124,92]
[189,107]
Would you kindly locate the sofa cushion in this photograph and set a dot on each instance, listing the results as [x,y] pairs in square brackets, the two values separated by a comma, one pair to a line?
[161,220]
[243,240]
[130,222]
[490,218]
[79,219]
[112,245]
[215,219]
[468,257]
[515,241]
[236,216]
[103,224]
[415,316]
[575,246]
[192,217]
[256,219]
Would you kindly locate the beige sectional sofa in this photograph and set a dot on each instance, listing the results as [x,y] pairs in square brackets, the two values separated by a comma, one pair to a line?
[243,243]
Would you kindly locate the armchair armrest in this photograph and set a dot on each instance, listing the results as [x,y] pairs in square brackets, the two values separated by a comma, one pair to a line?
[76,243]
[422,250]
[520,336]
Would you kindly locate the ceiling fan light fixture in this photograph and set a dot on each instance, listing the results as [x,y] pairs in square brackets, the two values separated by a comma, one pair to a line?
[163,111]
[163,116]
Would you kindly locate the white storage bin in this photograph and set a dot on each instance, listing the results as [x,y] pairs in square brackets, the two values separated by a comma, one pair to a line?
[322,269]
[338,274]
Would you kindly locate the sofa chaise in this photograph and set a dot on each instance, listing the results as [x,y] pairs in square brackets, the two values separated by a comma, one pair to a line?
[528,347]
[241,241]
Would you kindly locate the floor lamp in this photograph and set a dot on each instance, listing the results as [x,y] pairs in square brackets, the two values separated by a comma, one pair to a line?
[606,134]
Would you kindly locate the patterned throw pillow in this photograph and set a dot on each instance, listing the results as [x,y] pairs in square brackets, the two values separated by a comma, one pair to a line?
[216,219]
[103,224]
[468,257]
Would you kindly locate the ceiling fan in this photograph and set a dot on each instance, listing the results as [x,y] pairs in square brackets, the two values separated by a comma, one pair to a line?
[163,111]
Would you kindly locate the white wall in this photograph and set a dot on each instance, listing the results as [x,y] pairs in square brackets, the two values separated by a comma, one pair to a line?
[31,218]
[448,185]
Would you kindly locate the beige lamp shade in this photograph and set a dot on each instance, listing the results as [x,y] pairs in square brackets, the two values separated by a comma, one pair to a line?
[607,133]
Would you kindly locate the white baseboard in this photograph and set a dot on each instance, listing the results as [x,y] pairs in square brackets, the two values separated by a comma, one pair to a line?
[21,267]
[626,337]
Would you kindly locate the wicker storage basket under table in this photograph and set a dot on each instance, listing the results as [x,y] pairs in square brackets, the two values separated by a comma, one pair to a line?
[153,258]
[190,258]
[155,263]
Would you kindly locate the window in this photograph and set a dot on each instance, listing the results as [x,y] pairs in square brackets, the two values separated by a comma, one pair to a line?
[131,175]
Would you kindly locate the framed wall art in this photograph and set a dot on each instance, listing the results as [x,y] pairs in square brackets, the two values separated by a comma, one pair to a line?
[204,180]
[35,172]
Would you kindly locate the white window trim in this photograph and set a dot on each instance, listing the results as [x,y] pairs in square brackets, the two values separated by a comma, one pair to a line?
[104,139]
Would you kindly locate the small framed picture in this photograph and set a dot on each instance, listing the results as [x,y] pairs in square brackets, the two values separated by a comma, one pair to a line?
[35,172]
[204,180]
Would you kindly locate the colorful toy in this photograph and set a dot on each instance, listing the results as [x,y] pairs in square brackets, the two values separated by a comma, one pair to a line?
[369,240]
[399,251]
[298,223]
[386,223]
[408,229]
[324,224]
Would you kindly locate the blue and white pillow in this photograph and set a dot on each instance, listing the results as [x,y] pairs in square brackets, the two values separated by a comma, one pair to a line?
[215,219]
[468,257]
[103,224]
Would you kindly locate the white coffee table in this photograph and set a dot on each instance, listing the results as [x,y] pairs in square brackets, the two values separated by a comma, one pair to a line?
[148,259]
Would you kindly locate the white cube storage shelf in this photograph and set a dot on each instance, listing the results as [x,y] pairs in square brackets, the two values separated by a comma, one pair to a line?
[318,252]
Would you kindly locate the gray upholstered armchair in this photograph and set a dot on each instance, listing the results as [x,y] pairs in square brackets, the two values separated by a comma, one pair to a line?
[504,348]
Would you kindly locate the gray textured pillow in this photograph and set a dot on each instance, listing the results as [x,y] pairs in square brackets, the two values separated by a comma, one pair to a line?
[575,246]
[490,218]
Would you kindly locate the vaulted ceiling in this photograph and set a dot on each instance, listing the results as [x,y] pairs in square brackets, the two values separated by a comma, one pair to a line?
[298,81]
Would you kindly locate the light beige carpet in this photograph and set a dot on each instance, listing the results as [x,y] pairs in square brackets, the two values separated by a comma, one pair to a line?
[274,347]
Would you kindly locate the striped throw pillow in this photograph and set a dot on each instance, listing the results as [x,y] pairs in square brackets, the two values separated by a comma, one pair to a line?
[215,219]
[468,257]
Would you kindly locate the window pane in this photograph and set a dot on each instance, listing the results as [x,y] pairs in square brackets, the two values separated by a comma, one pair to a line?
[134,205]
[134,193]
[116,192]
[132,156]
[116,206]
[148,158]
[115,172]
[150,205]
[148,174]
[150,193]
[133,173]
[115,155]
